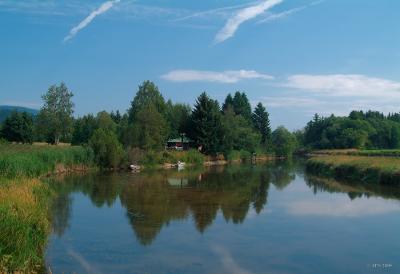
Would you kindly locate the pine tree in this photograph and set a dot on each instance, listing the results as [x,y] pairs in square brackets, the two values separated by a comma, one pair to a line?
[206,126]
[241,105]
[261,123]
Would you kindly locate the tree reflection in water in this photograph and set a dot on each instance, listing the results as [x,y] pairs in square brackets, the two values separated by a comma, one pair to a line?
[154,199]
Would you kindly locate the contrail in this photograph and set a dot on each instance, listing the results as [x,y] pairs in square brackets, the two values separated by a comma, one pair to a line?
[242,16]
[102,9]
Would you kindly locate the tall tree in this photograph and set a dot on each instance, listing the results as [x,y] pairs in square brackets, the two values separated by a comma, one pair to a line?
[57,112]
[149,131]
[284,142]
[84,128]
[238,134]
[18,127]
[148,93]
[261,123]
[206,126]
[228,102]
[178,118]
[241,105]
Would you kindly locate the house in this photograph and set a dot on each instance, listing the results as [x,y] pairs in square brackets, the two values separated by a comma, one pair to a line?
[181,143]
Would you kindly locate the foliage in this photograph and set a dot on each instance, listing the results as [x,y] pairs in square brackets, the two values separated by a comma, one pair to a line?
[261,123]
[240,105]
[17,161]
[5,111]
[149,130]
[206,125]
[238,134]
[18,127]
[178,116]
[148,94]
[359,130]
[107,149]
[284,142]
[236,155]
[55,118]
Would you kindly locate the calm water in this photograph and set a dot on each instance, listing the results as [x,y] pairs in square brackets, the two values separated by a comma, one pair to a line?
[238,219]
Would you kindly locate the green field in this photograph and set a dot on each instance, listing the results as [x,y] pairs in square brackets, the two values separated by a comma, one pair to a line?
[367,169]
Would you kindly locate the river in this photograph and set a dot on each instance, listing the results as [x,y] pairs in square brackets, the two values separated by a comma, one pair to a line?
[269,218]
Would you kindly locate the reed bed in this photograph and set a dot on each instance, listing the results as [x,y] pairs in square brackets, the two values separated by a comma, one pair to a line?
[18,161]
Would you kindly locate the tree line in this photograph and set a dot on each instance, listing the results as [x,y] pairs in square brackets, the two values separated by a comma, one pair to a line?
[149,122]
[363,130]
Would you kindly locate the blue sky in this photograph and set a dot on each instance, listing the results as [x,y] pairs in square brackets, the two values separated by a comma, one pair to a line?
[297,57]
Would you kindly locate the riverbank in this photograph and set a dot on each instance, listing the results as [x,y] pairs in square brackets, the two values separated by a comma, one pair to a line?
[24,200]
[366,169]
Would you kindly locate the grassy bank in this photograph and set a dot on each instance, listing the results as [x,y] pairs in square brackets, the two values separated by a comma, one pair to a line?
[160,158]
[373,169]
[24,200]
[356,152]
[30,161]
[24,225]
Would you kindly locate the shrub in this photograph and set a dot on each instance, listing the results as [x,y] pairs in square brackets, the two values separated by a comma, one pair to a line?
[193,156]
[107,149]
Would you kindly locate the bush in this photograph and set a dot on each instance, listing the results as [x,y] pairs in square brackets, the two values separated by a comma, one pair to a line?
[193,156]
[107,149]
[284,142]
[236,155]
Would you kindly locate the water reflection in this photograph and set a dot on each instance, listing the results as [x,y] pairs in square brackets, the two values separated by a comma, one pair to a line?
[154,199]
[353,189]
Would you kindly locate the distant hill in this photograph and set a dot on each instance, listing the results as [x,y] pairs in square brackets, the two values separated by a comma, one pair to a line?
[5,111]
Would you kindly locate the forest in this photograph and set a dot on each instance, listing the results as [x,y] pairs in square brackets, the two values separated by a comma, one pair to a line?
[226,130]
[230,130]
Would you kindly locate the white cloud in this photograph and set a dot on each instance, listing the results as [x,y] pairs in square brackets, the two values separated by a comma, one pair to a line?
[344,85]
[219,12]
[275,16]
[229,76]
[228,262]
[102,9]
[289,101]
[242,16]
[344,207]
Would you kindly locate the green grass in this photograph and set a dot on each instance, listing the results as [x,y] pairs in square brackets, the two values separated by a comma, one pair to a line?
[24,201]
[18,161]
[24,225]
[356,152]
[152,158]
[383,170]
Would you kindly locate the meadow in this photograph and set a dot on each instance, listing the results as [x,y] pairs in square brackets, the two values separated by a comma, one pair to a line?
[373,168]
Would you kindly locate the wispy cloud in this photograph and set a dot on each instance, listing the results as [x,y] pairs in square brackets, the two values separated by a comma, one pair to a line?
[102,9]
[275,16]
[242,16]
[229,76]
[219,11]
[344,85]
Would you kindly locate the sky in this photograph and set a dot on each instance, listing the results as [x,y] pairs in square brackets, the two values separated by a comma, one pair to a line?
[297,57]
